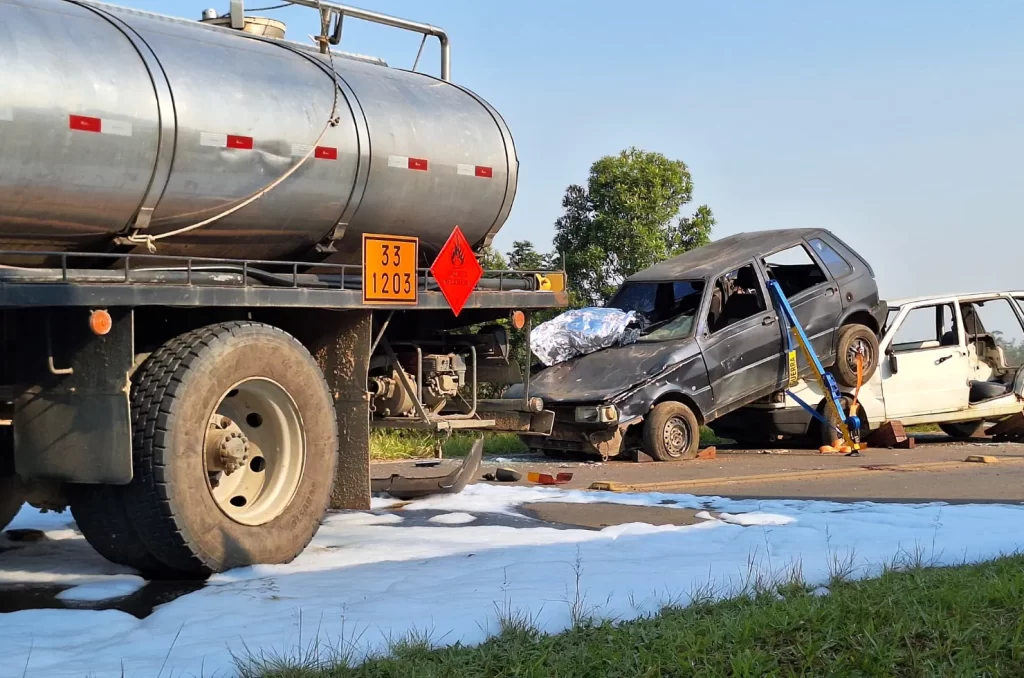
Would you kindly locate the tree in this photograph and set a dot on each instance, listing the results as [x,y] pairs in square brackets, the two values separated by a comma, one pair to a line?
[491,259]
[626,219]
[522,257]
[525,257]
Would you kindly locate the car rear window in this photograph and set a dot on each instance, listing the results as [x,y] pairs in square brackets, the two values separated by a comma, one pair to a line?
[849,253]
[833,261]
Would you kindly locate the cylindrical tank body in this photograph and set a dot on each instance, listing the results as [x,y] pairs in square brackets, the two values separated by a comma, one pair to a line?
[114,120]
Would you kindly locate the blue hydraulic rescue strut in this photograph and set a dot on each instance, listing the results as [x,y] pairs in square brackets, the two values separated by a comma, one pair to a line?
[849,426]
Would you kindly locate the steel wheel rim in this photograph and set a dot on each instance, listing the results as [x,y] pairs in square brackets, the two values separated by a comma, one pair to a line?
[256,479]
[858,347]
[676,436]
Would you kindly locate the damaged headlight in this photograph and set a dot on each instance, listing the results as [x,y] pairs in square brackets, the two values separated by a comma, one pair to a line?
[600,414]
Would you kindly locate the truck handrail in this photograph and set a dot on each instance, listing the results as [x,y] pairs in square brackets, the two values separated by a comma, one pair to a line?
[387,20]
[274,273]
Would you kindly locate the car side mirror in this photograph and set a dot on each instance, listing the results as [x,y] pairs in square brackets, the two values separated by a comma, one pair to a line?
[894,365]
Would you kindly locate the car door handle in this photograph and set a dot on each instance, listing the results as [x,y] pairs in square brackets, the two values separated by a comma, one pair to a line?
[830,291]
[943,359]
[768,320]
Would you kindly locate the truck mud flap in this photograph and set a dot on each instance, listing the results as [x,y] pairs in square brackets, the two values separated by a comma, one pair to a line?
[403,487]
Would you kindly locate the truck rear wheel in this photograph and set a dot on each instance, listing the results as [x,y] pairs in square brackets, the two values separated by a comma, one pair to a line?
[234,450]
[103,520]
[11,500]
[12,494]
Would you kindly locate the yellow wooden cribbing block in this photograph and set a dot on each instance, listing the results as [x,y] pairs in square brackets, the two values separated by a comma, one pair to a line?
[609,486]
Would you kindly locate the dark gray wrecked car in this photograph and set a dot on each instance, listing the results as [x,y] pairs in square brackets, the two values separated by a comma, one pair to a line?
[712,342]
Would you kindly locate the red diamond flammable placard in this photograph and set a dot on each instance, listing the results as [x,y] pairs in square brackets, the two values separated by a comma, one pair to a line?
[456,270]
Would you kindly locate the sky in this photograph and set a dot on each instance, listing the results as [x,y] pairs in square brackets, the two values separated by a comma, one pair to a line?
[896,125]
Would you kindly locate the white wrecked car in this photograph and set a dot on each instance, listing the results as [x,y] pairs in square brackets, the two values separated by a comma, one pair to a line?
[951,360]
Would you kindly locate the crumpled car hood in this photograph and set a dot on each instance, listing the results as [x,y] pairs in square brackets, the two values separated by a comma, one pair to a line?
[599,376]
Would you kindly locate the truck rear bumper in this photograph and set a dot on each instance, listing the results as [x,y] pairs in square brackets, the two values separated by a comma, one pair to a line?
[519,421]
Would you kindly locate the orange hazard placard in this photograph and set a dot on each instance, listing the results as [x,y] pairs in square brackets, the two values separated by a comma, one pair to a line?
[389,269]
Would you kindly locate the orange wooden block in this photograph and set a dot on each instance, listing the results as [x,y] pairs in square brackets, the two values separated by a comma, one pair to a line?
[708,453]
[548,479]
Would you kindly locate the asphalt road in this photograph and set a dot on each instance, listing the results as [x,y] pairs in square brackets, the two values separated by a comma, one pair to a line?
[934,471]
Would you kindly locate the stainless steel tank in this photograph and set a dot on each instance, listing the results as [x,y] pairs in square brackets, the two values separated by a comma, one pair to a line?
[114,121]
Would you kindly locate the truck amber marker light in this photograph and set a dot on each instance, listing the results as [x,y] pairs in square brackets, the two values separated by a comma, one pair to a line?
[100,322]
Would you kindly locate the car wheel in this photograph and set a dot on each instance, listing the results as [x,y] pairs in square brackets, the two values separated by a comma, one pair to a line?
[822,435]
[671,432]
[853,340]
[963,429]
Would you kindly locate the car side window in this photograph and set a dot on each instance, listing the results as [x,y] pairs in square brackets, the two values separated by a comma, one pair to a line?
[950,333]
[735,297]
[794,270]
[995,331]
[833,261]
[924,328]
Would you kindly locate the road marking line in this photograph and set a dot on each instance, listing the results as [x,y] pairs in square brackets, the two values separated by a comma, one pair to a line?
[613,486]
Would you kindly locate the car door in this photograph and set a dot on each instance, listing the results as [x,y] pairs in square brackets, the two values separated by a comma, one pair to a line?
[927,367]
[812,293]
[741,344]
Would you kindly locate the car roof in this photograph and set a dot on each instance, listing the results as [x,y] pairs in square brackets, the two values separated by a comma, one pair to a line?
[970,296]
[722,255]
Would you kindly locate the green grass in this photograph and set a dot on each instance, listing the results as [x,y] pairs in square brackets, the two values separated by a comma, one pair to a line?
[924,428]
[963,621]
[392,445]
[709,437]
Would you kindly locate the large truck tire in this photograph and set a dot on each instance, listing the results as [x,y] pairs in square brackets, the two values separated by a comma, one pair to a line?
[235,444]
[854,338]
[101,516]
[11,500]
[12,494]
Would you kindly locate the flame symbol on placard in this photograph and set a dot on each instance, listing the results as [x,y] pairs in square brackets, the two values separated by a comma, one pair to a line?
[458,258]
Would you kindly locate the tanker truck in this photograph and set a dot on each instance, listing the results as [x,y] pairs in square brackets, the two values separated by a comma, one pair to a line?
[224,258]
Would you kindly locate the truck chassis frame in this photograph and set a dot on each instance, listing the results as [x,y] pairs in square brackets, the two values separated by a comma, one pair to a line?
[65,374]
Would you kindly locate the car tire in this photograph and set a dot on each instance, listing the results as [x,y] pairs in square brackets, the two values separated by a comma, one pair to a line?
[854,338]
[671,432]
[190,400]
[962,430]
[12,493]
[821,435]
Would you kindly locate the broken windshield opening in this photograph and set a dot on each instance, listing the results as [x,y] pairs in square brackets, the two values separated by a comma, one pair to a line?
[668,309]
